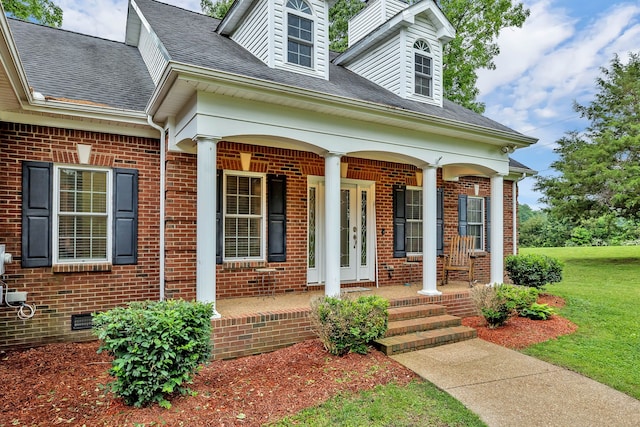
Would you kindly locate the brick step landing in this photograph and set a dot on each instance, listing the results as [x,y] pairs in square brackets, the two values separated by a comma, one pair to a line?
[421,326]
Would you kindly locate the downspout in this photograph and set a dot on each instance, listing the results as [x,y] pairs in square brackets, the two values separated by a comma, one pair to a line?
[162,204]
[514,191]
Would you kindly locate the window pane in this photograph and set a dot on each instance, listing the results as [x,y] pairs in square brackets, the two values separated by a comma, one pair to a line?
[243,217]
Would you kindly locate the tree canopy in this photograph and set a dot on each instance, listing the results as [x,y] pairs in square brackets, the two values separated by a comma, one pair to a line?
[598,170]
[477,22]
[41,11]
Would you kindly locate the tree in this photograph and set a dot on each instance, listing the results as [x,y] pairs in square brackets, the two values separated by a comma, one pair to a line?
[217,9]
[598,171]
[41,11]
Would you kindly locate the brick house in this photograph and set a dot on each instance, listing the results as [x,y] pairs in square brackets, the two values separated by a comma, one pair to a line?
[177,163]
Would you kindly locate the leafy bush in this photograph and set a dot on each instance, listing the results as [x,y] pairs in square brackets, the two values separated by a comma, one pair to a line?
[533,270]
[538,312]
[347,325]
[493,306]
[157,346]
[518,298]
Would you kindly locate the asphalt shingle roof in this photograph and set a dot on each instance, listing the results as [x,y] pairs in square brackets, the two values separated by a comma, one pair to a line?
[191,38]
[64,64]
[72,66]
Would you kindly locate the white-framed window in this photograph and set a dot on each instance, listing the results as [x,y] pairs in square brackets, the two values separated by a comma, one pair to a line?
[82,216]
[475,221]
[413,235]
[244,216]
[423,69]
[299,33]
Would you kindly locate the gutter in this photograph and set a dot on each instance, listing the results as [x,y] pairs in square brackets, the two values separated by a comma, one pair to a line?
[162,203]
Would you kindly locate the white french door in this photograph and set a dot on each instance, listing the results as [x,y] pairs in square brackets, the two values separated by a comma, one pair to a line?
[357,225]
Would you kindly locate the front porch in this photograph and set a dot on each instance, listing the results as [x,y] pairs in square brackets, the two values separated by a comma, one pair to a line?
[254,325]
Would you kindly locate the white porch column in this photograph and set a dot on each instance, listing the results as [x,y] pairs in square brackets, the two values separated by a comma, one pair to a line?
[429,231]
[206,221]
[332,224]
[497,229]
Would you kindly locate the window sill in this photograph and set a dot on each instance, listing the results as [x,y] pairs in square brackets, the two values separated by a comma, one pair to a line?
[81,268]
[243,265]
[479,254]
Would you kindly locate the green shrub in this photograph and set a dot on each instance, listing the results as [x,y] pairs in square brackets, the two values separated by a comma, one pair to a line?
[157,347]
[493,306]
[533,270]
[347,325]
[538,312]
[518,297]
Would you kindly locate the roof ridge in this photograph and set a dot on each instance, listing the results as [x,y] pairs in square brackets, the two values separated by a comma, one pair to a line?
[65,30]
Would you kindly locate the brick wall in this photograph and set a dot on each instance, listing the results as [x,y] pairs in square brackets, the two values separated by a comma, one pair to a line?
[58,295]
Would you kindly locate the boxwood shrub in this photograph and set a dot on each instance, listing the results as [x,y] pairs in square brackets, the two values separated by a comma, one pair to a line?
[533,270]
[157,347]
[347,325]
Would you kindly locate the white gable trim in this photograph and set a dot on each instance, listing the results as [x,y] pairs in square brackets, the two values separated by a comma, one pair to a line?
[445,31]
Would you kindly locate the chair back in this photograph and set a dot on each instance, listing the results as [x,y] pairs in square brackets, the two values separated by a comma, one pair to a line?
[460,250]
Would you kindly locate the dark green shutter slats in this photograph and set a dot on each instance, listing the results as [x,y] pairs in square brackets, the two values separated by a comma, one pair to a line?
[440,222]
[399,221]
[125,216]
[219,230]
[487,210]
[277,218]
[462,215]
[36,214]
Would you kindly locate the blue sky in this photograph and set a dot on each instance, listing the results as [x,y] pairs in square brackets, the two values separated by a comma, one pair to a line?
[542,68]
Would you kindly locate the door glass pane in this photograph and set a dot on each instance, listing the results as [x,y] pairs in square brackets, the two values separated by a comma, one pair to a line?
[344,227]
[363,229]
[311,238]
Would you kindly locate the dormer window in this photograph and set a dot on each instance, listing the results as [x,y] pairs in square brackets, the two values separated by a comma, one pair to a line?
[299,33]
[423,76]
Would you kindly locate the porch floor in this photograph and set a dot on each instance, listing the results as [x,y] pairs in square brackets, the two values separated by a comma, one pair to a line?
[262,304]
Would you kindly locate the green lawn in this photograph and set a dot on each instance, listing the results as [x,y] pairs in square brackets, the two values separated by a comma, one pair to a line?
[602,288]
[418,404]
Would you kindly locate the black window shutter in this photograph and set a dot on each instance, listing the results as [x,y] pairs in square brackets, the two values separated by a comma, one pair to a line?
[125,216]
[487,212]
[462,215]
[36,214]
[399,221]
[440,222]
[277,218]
[219,186]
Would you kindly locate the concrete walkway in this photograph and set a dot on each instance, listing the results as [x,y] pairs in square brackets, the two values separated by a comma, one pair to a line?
[507,388]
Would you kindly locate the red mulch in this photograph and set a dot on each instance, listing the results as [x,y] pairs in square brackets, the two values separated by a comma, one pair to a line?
[60,384]
[521,332]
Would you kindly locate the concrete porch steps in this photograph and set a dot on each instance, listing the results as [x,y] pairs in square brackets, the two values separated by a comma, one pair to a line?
[421,326]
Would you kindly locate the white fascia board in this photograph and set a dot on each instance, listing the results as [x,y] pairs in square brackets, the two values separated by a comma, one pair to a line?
[11,61]
[234,17]
[365,110]
[372,39]
[406,17]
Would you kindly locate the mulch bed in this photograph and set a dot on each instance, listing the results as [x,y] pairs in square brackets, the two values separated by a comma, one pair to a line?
[62,384]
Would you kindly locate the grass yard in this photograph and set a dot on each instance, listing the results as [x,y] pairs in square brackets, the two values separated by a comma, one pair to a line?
[419,403]
[602,288]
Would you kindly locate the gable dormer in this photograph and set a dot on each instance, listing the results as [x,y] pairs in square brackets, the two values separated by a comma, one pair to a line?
[399,47]
[285,34]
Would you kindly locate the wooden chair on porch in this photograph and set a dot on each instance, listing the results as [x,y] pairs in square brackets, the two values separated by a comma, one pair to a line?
[459,258]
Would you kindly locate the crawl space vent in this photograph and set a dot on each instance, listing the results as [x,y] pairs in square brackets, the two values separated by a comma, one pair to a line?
[81,321]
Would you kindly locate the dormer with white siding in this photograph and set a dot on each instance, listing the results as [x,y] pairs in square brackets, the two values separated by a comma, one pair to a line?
[399,47]
[285,34]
